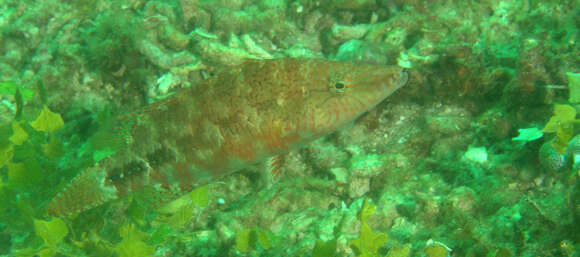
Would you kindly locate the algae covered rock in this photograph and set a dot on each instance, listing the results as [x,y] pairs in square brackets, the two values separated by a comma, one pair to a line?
[362,51]
[353,5]
[343,32]
[555,206]
[448,120]
[550,159]
[215,52]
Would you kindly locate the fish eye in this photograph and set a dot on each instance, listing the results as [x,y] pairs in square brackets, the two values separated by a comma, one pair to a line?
[337,86]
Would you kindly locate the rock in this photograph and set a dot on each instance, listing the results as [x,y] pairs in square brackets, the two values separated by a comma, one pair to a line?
[362,51]
[344,32]
[165,60]
[254,48]
[461,201]
[326,156]
[173,38]
[358,186]
[218,53]
[550,159]
[496,124]
[353,5]
[449,120]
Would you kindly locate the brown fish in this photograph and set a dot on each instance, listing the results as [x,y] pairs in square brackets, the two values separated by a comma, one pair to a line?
[240,117]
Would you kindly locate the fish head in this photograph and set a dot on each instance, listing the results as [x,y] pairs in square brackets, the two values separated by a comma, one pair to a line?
[337,93]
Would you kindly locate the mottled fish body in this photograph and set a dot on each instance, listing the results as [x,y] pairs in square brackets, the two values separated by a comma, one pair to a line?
[240,117]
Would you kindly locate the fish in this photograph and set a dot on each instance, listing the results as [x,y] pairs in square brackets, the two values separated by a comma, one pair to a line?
[240,117]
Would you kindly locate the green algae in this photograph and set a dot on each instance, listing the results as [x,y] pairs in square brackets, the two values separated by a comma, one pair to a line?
[574,87]
[497,62]
[254,239]
[9,88]
[368,242]
[324,249]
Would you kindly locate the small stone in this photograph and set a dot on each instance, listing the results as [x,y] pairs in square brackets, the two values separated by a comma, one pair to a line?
[343,32]
[254,48]
[358,186]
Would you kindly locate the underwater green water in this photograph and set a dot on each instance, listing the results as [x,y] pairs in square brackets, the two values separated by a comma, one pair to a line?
[477,154]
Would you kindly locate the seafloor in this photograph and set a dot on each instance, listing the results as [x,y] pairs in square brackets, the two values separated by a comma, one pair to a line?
[438,169]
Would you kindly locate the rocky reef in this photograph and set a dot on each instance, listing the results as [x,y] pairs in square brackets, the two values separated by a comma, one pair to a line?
[476,156]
